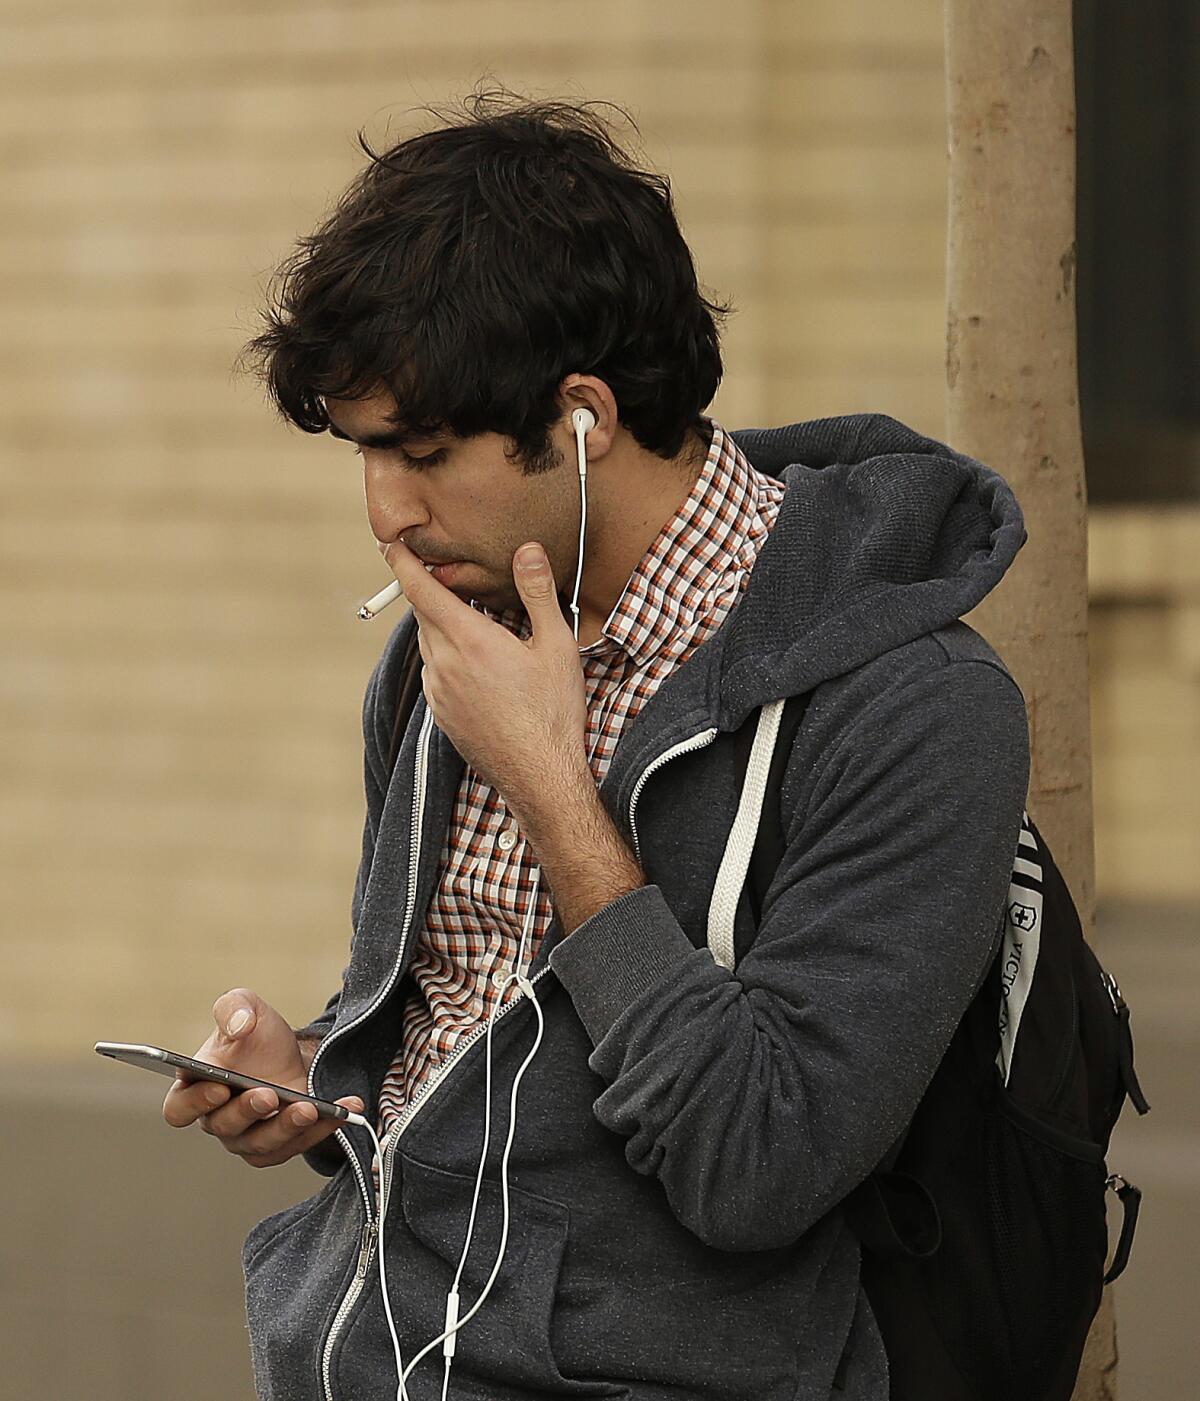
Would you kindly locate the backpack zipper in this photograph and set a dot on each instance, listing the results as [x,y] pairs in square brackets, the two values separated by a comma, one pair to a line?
[1114,992]
[1124,1044]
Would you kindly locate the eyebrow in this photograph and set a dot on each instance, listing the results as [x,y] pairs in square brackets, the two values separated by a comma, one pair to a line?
[396,438]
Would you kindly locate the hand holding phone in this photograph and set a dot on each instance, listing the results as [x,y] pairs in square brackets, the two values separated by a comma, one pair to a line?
[252,1038]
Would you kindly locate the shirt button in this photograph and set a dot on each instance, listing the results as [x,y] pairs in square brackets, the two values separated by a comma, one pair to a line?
[507,839]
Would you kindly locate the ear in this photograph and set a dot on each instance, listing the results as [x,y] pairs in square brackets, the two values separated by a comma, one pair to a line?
[592,394]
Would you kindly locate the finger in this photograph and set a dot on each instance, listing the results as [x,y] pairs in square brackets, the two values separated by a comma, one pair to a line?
[421,589]
[535,583]
[187,1100]
[434,604]
[295,1129]
[240,1113]
[296,1122]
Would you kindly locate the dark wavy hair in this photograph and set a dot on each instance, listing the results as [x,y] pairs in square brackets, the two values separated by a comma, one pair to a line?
[471,268]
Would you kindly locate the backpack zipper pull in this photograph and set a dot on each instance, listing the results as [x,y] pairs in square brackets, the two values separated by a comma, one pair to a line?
[1114,992]
[1131,1199]
[1124,1043]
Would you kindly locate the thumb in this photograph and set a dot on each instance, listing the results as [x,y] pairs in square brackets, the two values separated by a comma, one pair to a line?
[236,1013]
[535,582]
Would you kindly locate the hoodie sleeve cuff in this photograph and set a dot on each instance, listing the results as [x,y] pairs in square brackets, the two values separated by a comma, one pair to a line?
[614,957]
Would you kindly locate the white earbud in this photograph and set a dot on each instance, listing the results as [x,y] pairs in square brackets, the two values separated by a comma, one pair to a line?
[584,421]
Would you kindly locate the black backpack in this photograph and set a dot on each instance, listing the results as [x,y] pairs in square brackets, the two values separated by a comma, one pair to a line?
[984,1231]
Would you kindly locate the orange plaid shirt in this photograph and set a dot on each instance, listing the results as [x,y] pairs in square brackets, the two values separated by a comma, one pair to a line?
[678,596]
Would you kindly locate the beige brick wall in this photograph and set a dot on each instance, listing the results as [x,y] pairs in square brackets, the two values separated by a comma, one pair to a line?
[1145,663]
[183,671]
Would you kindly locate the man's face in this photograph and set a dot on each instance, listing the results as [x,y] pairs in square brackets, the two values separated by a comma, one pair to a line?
[466,502]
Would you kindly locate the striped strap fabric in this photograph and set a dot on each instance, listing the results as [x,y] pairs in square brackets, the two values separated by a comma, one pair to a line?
[1021,942]
[731,876]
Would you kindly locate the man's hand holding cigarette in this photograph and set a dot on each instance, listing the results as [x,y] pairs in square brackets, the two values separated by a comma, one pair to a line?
[515,710]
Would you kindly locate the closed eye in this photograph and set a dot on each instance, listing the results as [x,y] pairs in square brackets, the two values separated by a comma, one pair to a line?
[429,460]
[418,463]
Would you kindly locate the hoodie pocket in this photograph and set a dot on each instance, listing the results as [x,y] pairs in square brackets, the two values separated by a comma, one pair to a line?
[271,1228]
[298,1264]
[506,1348]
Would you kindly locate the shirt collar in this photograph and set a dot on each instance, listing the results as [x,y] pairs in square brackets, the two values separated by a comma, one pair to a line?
[691,556]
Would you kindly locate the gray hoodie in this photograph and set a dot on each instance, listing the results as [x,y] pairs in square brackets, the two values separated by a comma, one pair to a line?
[686,1132]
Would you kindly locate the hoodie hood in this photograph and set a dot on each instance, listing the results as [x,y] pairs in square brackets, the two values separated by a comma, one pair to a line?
[882,536]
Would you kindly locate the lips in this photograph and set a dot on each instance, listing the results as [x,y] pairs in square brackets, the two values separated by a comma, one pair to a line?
[433,559]
[429,562]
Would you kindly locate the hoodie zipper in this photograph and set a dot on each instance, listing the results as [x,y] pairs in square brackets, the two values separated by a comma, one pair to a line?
[433,1084]
[370,1229]
[700,741]
[366,1248]
[370,1226]
[412,1110]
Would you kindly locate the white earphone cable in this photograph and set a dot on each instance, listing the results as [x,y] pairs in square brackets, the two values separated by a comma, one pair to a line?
[453,1321]
[583,421]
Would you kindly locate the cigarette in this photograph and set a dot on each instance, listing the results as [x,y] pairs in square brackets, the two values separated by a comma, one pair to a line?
[383,598]
[380,601]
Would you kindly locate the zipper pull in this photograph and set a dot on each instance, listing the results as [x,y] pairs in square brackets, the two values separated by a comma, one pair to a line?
[1124,1043]
[366,1244]
[1131,1199]
[1114,992]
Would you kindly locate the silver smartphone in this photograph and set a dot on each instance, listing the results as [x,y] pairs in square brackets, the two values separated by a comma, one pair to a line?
[169,1062]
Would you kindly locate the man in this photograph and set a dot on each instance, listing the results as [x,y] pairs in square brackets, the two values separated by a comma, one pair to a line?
[665,1221]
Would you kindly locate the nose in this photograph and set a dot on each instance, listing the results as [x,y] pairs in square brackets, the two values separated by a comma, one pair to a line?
[394,506]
